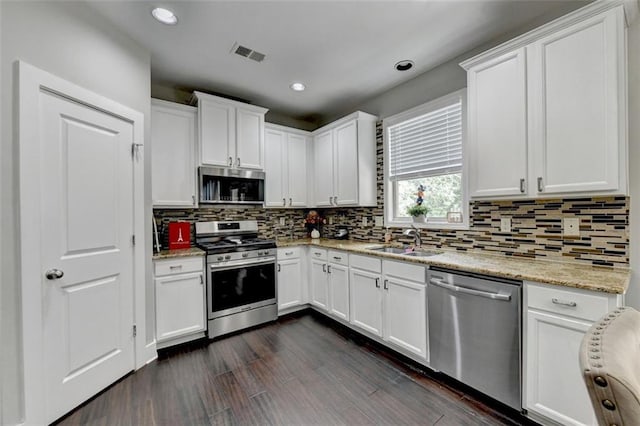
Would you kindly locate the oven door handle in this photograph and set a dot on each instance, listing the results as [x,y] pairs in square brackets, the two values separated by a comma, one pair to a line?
[236,263]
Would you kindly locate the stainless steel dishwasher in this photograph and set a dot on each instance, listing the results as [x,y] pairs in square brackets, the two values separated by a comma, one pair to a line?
[475,331]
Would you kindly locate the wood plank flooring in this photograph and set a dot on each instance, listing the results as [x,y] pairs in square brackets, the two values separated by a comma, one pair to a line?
[301,370]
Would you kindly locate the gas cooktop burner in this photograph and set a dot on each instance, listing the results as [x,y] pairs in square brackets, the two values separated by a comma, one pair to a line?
[228,237]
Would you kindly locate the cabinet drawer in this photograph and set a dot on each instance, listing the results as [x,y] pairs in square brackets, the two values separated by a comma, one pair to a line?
[338,257]
[288,253]
[366,263]
[178,266]
[576,303]
[319,254]
[407,271]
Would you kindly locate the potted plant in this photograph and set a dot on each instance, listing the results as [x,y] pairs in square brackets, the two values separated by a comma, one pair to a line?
[418,212]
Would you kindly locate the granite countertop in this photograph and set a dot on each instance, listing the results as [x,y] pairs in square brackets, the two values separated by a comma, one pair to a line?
[595,278]
[168,254]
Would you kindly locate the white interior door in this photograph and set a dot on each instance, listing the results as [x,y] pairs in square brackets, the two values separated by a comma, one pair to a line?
[87,253]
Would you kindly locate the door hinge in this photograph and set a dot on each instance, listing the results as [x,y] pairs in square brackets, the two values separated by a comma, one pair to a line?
[135,330]
[133,240]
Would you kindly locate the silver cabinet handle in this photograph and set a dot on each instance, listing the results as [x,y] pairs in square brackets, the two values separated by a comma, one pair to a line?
[386,284]
[288,253]
[330,201]
[238,164]
[324,268]
[201,280]
[335,200]
[54,274]
[377,282]
[564,302]
[284,201]
[318,253]
[175,267]
[230,162]
[193,200]
[540,187]
[522,185]
[328,269]
[337,257]
[279,268]
[290,201]
[472,292]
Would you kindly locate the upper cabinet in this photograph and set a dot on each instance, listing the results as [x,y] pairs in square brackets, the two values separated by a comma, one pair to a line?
[173,145]
[286,165]
[345,162]
[547,111]
[231,133]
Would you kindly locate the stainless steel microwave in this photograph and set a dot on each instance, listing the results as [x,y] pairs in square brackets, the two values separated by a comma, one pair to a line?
[230,186]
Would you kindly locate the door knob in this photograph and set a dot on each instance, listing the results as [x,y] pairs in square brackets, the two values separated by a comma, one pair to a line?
[54,274]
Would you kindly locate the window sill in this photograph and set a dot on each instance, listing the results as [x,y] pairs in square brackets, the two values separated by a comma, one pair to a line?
[427,225]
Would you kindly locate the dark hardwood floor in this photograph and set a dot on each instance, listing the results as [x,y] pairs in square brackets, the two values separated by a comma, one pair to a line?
[302,370]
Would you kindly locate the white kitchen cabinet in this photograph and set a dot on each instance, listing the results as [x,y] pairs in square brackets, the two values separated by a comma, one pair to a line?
[173,164]
[290,279]
[556,321]
[405,307]
[366,300]
[497,91]
[338,284]
[286,166]
[180,300]
[231,134]
[318,281]
[345,162]
[549,108]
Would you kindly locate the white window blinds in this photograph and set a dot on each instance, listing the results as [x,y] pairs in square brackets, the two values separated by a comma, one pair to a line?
[427,145]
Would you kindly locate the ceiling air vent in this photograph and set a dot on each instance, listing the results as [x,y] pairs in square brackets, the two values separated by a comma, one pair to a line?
[247,53]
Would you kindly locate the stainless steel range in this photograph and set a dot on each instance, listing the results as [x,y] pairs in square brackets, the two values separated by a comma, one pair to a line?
[241,275]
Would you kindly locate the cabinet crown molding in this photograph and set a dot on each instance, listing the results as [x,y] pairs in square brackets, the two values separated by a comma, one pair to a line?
[628,7]
[200,95]
[340,121]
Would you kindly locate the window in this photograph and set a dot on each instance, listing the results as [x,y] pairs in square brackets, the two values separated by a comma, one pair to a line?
[424,148]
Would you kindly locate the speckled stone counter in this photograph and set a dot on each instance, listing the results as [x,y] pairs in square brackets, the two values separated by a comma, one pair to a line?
[609,280]
[168,254]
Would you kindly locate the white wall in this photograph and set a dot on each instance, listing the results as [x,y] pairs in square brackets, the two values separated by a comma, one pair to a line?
[633,48]
[70,41]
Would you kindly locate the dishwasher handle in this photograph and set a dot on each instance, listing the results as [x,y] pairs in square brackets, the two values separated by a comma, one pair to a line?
[465,290]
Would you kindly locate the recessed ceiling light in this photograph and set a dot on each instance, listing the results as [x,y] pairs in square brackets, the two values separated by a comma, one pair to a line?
[404,65]
[164,15]
[298,87]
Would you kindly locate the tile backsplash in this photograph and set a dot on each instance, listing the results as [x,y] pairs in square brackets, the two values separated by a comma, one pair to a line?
[536,225]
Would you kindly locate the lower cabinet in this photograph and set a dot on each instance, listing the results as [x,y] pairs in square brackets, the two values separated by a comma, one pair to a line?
[338,284]
[180,300]
[389,300]
[556,321]
[290,279]
[318,284]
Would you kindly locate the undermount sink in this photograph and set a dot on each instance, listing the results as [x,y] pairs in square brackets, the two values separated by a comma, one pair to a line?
[406,251]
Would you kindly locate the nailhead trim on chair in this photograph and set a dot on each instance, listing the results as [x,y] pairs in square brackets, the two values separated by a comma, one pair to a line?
[599,380]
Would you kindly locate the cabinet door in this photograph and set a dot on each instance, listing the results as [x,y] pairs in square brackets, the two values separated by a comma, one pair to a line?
[275,168]
[339,291]
[497,137]
[405,315]
[297,170]
[578,73]
[179,305]
[319,285]
[555,387]
[289,283]
[250,139]
[323,158]
[217,133]
[346,164]
[365,301]
[173,139]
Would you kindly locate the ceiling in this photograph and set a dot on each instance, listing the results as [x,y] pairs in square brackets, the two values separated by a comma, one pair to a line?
[344,51]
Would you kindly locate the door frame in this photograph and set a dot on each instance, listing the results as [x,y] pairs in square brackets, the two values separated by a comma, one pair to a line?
[31,81]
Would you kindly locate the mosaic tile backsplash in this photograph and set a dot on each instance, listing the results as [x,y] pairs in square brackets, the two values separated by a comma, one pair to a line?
[536,225]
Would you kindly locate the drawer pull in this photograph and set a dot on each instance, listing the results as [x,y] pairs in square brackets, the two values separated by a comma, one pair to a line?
[318,253]
[175,267]
[337,257]
[564,303]
[288,253]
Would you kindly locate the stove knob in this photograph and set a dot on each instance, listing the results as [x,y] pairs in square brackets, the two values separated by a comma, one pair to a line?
[220,258]
[227,257]
[245,254]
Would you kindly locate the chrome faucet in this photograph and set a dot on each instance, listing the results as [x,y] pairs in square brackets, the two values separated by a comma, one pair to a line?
[415,233]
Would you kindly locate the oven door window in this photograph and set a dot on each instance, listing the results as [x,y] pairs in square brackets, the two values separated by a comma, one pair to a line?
[242,285]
